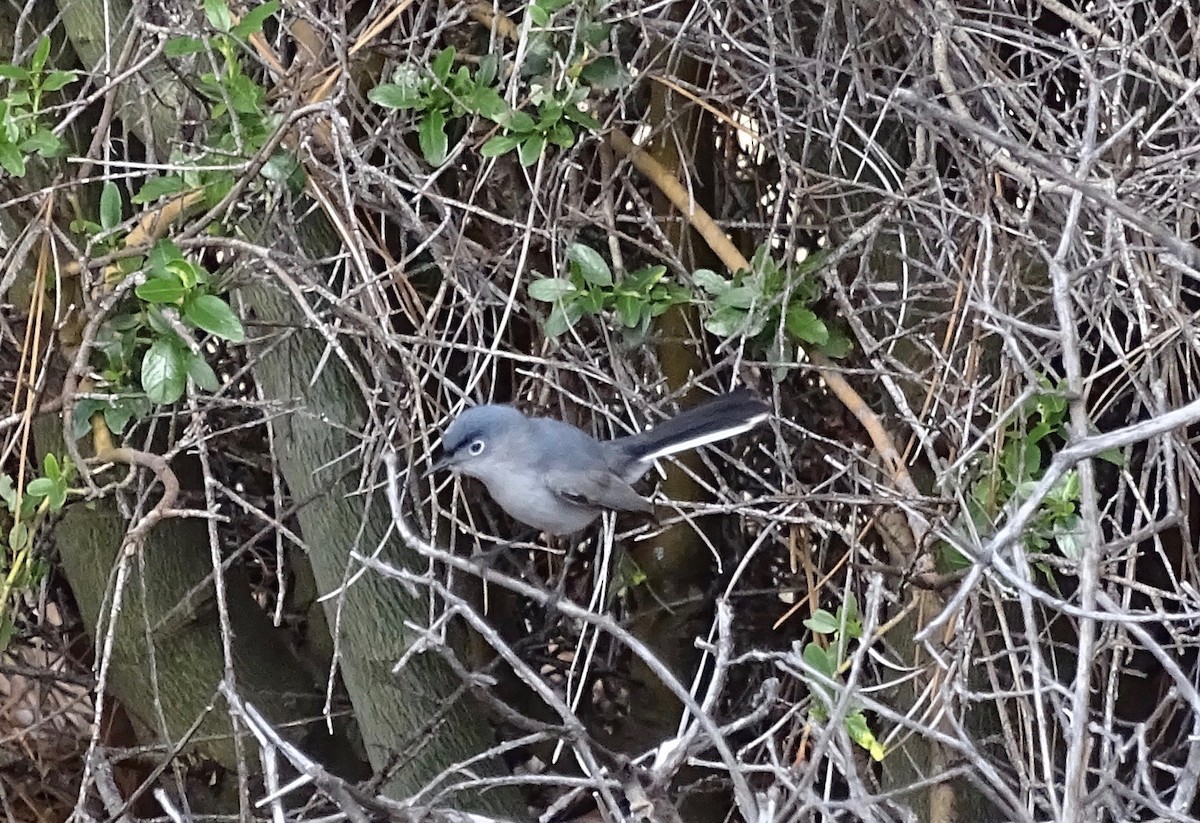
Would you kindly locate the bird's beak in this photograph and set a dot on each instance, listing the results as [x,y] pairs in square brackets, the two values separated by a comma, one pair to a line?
[446,461]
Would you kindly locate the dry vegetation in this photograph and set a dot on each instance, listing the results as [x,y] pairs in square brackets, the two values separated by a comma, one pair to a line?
[996,485]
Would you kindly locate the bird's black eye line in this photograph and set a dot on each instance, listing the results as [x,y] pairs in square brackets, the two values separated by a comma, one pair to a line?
[476,447]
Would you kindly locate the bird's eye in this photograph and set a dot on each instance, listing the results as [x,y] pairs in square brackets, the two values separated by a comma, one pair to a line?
[476,447]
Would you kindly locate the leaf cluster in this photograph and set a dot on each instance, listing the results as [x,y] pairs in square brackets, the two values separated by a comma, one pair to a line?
[22,130]
[240,123]
[843,626]
[589,289]
[1010,475]
[755,302]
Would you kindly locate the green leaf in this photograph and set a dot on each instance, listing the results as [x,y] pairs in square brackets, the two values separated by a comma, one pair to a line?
[201,373]
[157,187]
[605,73]
[590,265]
[82,418]
[819,659]
[40,55]
[531,149]
[443,63]
[57,79]
[520,123]
[822,622]
[562,317]
[431,136]
[43,141]
[488,103]
[7,492]
[630,310]
[161,289]
[211,313]
[500,144]
[837,346]
[11,159]
[217,12]
[40,487]
[189,274]
[551,289]
[10,72]
[804,325]
[578,115]
[489,65]
[117,415]
[393,96]
[710,281]
[18,536]
[163,372]
[538,15]
[163,253]
[182,46]
[740,297]
[252,23]
[110,205]
[726,321]
[50,467]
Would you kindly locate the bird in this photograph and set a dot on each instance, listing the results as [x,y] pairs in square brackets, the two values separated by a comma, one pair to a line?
[557,479]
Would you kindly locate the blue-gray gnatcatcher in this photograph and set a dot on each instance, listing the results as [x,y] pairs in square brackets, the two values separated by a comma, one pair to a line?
[554,477]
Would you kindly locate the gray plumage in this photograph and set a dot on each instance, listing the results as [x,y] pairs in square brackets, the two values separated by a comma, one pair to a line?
[550,475]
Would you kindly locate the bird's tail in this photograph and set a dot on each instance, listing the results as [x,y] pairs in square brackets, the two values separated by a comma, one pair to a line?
[719,418]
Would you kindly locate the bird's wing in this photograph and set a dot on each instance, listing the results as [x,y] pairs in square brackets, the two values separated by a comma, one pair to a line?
[597,488]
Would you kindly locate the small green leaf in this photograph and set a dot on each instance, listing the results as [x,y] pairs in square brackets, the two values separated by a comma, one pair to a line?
[605,73]
[117,416]
[157,187]
[837,346]
[40,487]
[520,123]
[489,65]
[531,149]
[217,12]
[551,289]
[44,142]
[40,55]
[110,205]
[10,72]
[487,102]
[163,372]
[538,15]
[50,467]
[393,96]
[252,23]
[201,373]
[11,159]
[629,310]
[18,536]
[163,252]
[500,144]
[443,63]
[739,297]
[804,325]
[860,732]
[161,289]
[189,274]
[578,115]
[182,46]
[562,317]
[211,313]
[726,321]
[710,281]
[819,659]
[431,135]
[822,622]
[57,79]
[590,265]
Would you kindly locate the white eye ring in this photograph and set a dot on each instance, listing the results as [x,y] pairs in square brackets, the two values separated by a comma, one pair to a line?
[476,447]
